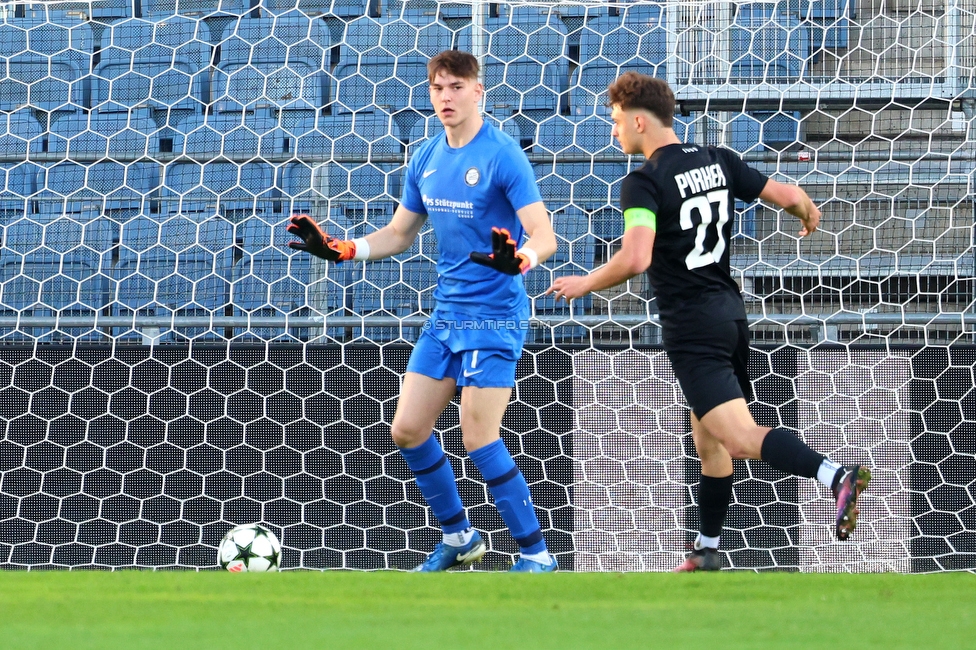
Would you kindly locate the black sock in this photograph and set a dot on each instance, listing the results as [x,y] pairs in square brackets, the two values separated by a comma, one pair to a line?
[787,453]
[714,495]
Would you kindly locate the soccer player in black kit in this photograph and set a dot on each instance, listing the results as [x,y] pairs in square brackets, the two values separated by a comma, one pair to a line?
[678,210]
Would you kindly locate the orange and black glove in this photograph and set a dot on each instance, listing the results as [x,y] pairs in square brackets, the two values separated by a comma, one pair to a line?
[503,258]
[317,243]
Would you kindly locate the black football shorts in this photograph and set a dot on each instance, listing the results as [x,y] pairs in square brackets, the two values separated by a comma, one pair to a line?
[711,363]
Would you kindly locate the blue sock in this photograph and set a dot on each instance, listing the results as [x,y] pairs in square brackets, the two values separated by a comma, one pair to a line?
[435,478]
[511,493]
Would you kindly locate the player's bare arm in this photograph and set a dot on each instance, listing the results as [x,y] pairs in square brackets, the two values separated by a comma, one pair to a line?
[396,236]
[535,219]
[633,258]
[795,201]
[393,238]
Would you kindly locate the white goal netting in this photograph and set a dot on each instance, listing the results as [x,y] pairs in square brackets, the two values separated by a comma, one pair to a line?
[168,368]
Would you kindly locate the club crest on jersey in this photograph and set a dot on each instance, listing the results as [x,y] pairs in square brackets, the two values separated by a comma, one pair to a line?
[472,176]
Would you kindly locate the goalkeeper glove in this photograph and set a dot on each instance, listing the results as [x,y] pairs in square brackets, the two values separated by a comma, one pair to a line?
[503,258]
[317,243]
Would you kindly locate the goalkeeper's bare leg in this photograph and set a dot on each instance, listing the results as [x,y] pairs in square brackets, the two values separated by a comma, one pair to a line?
[482,410]
[422,400]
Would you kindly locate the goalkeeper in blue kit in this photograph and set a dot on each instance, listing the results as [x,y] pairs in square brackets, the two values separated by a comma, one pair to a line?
[477,187]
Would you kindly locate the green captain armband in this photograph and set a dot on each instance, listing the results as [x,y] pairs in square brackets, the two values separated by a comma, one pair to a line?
[639,217]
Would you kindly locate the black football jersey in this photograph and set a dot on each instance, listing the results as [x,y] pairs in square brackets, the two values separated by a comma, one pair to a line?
[692,191]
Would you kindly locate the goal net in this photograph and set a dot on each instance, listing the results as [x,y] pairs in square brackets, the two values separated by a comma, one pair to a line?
[169,368]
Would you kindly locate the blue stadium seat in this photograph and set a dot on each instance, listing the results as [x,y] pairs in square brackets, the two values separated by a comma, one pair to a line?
[576,244]
[183,191]
[127,189]
[589,186]
[198,8]
[361,181]
[18,183]
[422,130]
[345,9]
[20,131]
[62,189]
[757,131]
[162,64]
[44,65]
[244,189]
[279,61]
[298,133]
[363,136]
[583,135]
[296,181]
[204,259]
[262,265]
[527,68]
[383,64]
[377,277]
[611,45]
[829,22]
[574,254]
[766,45]
[101,235]
[110,130]
[230,131]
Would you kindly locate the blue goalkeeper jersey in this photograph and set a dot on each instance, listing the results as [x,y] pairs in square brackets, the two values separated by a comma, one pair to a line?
[464,192]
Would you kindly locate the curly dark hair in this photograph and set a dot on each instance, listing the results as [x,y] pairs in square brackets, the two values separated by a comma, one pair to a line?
[636,90]
[453,62]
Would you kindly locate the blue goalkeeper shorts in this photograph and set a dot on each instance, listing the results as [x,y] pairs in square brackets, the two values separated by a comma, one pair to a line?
[475,352]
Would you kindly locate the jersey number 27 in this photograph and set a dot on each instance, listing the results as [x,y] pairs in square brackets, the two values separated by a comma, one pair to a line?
[702,204]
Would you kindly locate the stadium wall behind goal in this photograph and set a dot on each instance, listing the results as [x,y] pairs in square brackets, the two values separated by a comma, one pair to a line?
[142,456]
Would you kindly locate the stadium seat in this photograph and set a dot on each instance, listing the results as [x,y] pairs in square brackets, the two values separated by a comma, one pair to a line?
[361,181]
[162,64]
[363,136]
[766,45]
[262,265]
[197,8]
[183,191]
[580,135]
[128,190]
[231,132]
[44,65]
[62,190]
[829,22]
[298,133]
[758,131]
[20,131]
[574,239]
[109,131]
[244,189]
[295,179]
[526,68]
[383,64]
[611,45]
[279,61]
[586,185]
[19,185]
[345,9]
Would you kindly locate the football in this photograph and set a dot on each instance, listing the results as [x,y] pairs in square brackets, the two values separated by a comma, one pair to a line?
[249,547]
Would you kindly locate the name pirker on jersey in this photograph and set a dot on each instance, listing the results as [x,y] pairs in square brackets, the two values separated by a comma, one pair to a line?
[690,190]
[700,180]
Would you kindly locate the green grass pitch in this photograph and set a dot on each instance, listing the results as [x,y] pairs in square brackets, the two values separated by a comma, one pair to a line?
[339,609]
